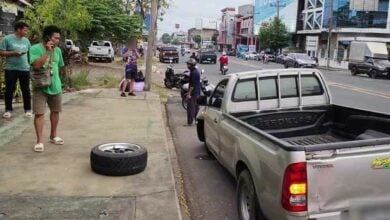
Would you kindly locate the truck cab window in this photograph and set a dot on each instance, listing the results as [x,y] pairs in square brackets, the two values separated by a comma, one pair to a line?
[288,86]
[268,88]
[311,86]
[245,90]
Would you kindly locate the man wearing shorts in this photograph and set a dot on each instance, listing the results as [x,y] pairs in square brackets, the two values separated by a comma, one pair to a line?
[130,55]
[48,56]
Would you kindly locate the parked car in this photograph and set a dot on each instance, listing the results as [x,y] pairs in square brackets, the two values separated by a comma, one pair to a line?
[70,45]
[271,56]
[231,53]
[299,60]
[101,50]
[169,54]
[369,58]
[295,154]
[208,56]
[251,56]
[280,58]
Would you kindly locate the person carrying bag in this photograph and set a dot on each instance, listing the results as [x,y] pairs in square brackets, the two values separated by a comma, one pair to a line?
[41,78]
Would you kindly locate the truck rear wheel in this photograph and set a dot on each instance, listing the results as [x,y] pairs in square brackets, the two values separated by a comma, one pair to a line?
[354,71]
[247,203]
[373,74]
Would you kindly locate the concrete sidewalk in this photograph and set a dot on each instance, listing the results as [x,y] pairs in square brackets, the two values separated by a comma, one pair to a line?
[59,182]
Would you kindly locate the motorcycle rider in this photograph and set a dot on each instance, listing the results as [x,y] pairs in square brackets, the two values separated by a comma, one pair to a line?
[193,92]
[223,60]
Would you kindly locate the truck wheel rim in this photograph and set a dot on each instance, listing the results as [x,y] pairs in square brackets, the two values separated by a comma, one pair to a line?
[119,148]
[245,201]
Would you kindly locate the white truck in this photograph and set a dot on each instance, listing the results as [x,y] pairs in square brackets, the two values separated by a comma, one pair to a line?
[101,50]
[294,154]
[70,45]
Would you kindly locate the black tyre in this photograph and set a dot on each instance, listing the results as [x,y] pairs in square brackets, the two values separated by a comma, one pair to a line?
[184,101]
[248,207]
[200,130]
[296,65]
[354,71]
[168,84]
[373,74]
[118,159]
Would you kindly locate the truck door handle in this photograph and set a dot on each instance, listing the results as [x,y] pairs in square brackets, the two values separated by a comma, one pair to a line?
[215,120]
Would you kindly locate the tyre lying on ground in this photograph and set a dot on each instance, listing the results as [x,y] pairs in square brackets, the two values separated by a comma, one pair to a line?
[118,159]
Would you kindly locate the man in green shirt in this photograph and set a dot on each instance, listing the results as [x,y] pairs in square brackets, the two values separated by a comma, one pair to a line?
[47,55]
[15,47]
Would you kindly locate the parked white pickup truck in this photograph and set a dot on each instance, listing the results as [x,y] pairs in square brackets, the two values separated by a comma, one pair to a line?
[101,50]
[295,154]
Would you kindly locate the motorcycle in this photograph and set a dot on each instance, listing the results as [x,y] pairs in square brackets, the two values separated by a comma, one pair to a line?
[206,89]
[173,80]
[224,69]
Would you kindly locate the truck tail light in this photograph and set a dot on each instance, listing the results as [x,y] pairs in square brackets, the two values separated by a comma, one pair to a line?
[294,191]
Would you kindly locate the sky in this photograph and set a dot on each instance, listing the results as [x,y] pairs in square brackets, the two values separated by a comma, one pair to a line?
[189,13]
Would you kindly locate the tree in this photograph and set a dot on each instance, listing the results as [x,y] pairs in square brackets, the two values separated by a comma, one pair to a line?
[176,41]
[274,35]
[197,39]
[166,38]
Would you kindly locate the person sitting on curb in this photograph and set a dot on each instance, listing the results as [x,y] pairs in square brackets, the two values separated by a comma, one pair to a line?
[130,55]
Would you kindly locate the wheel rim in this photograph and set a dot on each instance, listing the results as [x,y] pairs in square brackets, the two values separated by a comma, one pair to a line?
[119,148]
[245,202]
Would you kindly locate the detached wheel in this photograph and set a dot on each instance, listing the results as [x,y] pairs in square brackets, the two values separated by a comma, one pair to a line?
[118,159]
[248,207]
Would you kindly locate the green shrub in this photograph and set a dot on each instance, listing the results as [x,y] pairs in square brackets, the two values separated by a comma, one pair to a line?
[81,80]
[108,80]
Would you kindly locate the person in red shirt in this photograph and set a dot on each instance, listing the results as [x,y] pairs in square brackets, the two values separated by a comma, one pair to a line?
[223,60]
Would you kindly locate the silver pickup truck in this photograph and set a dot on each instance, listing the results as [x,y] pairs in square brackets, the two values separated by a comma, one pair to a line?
[296,155]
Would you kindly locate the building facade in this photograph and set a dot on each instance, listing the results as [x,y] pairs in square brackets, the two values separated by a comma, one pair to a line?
[208,35]
[340,22]
[244,33]
[11,11]
[227,28]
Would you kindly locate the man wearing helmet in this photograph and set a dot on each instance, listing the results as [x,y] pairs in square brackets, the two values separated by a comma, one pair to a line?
[193,91]
[223,60]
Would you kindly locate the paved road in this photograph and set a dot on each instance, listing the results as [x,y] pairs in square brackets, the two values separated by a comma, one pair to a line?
[210,189]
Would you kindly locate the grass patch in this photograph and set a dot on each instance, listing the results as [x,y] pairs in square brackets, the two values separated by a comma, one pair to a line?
[108,80]
[80,80]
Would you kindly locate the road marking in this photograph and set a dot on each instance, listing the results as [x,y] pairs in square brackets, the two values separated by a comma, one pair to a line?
[358,89]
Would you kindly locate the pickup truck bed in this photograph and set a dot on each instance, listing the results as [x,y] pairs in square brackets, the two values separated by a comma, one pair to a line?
[321,125]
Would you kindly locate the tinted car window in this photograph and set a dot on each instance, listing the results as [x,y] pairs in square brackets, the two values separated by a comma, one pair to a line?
[288,86]
[268,88]
[311,86]
[245,90]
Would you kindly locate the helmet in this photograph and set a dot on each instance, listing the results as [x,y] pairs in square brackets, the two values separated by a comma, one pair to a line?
[223,53]
[191,61]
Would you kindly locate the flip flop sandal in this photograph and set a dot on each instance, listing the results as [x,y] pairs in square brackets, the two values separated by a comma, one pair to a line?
[39,147]
[7,115]
[57,141]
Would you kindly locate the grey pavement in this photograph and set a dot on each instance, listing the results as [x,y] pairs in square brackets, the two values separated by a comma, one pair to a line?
[59,182]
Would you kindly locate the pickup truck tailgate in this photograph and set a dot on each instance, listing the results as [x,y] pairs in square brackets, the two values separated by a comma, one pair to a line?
[100,50]
[348,179]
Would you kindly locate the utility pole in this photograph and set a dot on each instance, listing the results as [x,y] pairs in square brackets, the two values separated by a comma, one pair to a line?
[278,6]
[201,32]
[151,44]
[329,34]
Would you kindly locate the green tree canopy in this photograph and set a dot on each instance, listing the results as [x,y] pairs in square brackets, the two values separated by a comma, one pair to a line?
[197,39]
[69,15]
[273,35]
[166,38]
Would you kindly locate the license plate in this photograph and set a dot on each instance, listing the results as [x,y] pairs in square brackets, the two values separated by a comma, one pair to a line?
[208,58]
